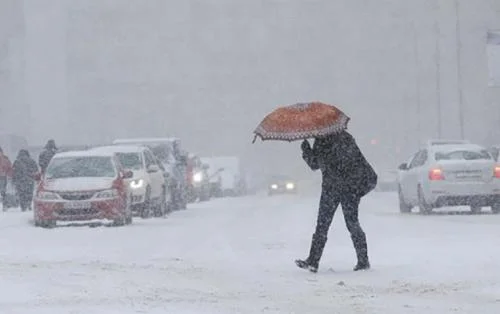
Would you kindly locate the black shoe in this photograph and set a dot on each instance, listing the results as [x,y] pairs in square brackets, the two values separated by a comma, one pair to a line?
[362,266]
[305,265]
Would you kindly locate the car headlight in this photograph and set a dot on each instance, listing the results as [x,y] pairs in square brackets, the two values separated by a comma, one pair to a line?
[274,186]
[290,186]
[107,194]
[44,195]
[137,184]
[198,177]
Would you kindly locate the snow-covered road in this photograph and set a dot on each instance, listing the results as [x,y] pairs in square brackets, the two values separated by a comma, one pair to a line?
[236,256]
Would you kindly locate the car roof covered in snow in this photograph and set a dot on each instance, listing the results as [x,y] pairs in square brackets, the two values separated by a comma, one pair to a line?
[146,140]
[120,149]
[451,148]
[84,153]
[443,142]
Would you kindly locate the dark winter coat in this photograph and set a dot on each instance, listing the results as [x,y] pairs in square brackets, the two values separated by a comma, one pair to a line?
[343,166]
[25,169]
[45,158]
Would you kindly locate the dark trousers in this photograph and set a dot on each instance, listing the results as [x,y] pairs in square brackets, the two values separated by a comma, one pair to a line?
[25,194]
[329,203]
[3,188]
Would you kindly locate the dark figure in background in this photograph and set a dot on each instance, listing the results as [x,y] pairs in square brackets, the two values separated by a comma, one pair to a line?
[47,154]
[5,174]
[25,170]
[347,177]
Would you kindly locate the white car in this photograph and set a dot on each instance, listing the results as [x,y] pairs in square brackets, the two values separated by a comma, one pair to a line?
[148,187]
[449,175]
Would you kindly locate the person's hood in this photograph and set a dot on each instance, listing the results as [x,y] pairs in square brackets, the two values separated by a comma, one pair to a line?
[51,145]
[78,184]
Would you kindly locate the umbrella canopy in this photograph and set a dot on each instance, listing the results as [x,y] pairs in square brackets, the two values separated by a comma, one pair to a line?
[301,121]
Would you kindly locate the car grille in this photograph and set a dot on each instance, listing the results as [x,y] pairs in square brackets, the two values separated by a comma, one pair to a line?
[77,212]
[76,196]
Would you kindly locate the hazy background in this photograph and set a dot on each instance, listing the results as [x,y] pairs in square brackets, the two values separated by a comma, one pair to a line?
[207,71]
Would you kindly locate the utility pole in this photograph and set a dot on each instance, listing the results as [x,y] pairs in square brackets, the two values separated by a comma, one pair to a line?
[459,70]
[439,108]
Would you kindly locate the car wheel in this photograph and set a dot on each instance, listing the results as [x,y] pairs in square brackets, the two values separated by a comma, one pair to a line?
[422,204]
[47,224]
[475,209]
[403,206]
[495,208]
[204,196]
[119,222]
[146,206]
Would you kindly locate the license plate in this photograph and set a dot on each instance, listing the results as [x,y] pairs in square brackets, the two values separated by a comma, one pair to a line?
[77,205]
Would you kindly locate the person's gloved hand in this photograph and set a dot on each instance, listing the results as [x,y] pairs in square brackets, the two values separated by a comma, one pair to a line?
[306,147]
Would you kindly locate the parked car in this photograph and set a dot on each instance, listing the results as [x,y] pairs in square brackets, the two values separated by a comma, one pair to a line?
[281,184]
[449,175]
[84,185]
[198,180]
[233,181]
[215,180]
[168,152]
[149,189]
[495,152]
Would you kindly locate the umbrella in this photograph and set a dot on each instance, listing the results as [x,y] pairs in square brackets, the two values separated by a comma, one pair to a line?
[301,121]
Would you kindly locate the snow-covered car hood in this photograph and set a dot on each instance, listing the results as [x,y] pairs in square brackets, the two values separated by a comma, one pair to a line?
[78,184]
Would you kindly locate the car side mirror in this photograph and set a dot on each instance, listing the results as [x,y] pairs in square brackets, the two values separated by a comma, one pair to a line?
[403,166]
[128,174]
[153,168]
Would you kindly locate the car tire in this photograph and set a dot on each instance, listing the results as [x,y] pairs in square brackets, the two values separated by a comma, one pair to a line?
[495,208]
[120,222]
[424,208]
[403,206]
[475,209]
[47,224]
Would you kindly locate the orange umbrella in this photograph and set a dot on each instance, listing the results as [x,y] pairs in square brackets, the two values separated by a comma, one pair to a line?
[301,121]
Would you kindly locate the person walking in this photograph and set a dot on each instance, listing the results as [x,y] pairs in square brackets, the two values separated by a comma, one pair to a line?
[5,174]
[46,155]
[25,170]
[346,178]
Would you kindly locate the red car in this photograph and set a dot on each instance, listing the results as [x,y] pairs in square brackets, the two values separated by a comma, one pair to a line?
[81,186]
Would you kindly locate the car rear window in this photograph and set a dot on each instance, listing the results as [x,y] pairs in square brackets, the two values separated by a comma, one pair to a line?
[463,155]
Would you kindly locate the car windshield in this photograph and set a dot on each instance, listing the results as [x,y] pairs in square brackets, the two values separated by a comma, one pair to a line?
[131,161]
[162,152]
[463,155]
[76,167]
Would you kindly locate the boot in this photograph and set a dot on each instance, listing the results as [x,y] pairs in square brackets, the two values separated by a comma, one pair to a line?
[361,253]
[315,253]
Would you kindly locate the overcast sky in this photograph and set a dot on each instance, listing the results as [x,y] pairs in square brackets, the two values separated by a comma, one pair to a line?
[208,71]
